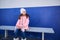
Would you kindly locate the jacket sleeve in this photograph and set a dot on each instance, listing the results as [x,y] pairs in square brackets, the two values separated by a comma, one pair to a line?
[18,24]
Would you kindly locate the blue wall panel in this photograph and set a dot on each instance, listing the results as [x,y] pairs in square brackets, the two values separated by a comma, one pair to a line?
[39,17]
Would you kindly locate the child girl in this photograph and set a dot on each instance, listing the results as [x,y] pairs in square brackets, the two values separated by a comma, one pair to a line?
[22,24]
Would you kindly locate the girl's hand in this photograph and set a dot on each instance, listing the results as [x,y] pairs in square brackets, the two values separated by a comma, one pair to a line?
[27,29]
[23,30]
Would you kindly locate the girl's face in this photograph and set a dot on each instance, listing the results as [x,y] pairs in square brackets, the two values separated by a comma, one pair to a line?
[24,12]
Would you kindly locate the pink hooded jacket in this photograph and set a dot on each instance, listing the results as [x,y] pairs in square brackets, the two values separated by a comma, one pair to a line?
[22,23]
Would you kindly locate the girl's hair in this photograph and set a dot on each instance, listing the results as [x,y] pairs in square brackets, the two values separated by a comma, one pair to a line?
[27,16]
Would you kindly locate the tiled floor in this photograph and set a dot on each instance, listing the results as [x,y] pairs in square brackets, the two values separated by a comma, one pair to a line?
[27,39]
[11,38]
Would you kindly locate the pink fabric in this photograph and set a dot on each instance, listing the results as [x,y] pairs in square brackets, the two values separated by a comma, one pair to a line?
[22,23]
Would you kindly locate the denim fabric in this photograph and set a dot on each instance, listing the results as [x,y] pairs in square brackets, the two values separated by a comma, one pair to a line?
[19,33]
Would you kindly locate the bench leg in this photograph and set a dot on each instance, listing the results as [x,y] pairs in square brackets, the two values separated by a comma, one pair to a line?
[42,35]
[5,33]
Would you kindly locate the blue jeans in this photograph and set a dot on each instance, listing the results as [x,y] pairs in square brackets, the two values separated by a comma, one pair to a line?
[19,33]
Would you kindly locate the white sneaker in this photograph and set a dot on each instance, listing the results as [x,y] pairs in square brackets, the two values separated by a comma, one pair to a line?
[25,39]
[15,38]
[22,39]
